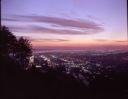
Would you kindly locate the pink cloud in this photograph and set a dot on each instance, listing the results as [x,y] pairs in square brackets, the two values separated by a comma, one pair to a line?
[46,30]
[81,25]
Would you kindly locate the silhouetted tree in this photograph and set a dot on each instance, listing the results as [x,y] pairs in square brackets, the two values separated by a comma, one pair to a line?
[19,49]
[23,51]
[7,41]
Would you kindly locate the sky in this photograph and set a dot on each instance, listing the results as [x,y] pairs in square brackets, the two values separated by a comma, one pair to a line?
[67,23]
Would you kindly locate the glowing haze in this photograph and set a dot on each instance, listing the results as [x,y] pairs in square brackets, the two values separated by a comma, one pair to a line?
[68,23]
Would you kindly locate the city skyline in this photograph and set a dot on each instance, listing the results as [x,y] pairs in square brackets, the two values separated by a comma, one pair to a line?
[68,23]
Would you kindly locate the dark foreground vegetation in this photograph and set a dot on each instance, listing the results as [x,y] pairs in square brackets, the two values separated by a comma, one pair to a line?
[19,83]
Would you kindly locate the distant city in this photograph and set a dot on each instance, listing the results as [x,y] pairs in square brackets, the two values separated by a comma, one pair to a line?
[85,66]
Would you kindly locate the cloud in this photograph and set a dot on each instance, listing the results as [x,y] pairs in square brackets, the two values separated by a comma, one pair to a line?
[18,28]
[32,39]
[10,19]
[101,40]
[46,30]
[117,41]
[122,41]
[83,26]
[51,40]
[45,39]
[41,29]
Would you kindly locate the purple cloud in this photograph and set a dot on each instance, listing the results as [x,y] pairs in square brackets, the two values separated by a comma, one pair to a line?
[85,26]
[45,30]
[58,31]
[45,39]
[101,40]
[122,41]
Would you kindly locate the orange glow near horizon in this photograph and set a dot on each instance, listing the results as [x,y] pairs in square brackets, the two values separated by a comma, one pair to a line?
[80,44]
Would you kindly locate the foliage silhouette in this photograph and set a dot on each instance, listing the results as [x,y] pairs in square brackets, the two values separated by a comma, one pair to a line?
[23,51]
[7,41]
[18,49]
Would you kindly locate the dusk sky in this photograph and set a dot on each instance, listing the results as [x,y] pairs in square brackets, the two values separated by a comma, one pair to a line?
[67,23]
